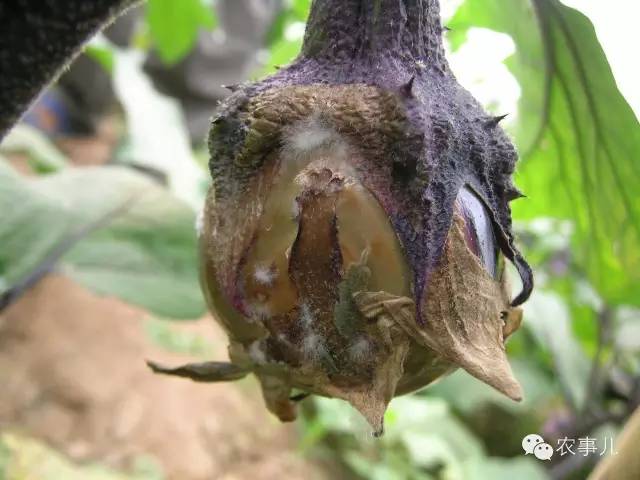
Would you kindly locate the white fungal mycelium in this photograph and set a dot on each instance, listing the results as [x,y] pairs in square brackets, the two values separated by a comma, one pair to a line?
[265,275]
[311,139]
[259,311]
[256,354]
[313,347]
[308,136]
[360,349]
[306,316]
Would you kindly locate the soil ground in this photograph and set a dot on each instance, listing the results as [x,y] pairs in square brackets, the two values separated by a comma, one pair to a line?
[72,374]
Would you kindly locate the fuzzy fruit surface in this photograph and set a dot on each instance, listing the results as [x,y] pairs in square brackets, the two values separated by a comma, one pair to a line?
[335,249]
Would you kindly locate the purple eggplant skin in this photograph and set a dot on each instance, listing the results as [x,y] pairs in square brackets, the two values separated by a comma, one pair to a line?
[450,141]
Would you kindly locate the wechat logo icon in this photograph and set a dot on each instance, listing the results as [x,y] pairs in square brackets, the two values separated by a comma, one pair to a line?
[535,445]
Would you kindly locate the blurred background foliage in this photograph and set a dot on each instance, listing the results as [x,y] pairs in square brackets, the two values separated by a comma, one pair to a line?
[127,229]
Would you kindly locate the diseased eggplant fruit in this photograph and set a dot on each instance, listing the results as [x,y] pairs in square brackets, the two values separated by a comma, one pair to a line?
[353,238]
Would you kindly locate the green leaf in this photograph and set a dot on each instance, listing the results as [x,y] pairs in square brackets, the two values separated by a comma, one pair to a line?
[102,55]
[428,451]
[502,469]
[392,466]
[549,320]
[158,140]
[301,9]
[281,53]
[579,139]
[145,255]
[468,395]
[423,421]
[283,50]
[174,25]
[43,155]
[627,333]
[23,458]
[421,434]
[103,51]
[276,32]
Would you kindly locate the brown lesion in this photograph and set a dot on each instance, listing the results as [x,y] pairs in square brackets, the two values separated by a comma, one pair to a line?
[315,266]
[241,207]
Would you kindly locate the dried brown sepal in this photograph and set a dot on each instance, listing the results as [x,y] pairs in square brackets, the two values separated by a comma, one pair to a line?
[464,307]
[372,400]
[202,372]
